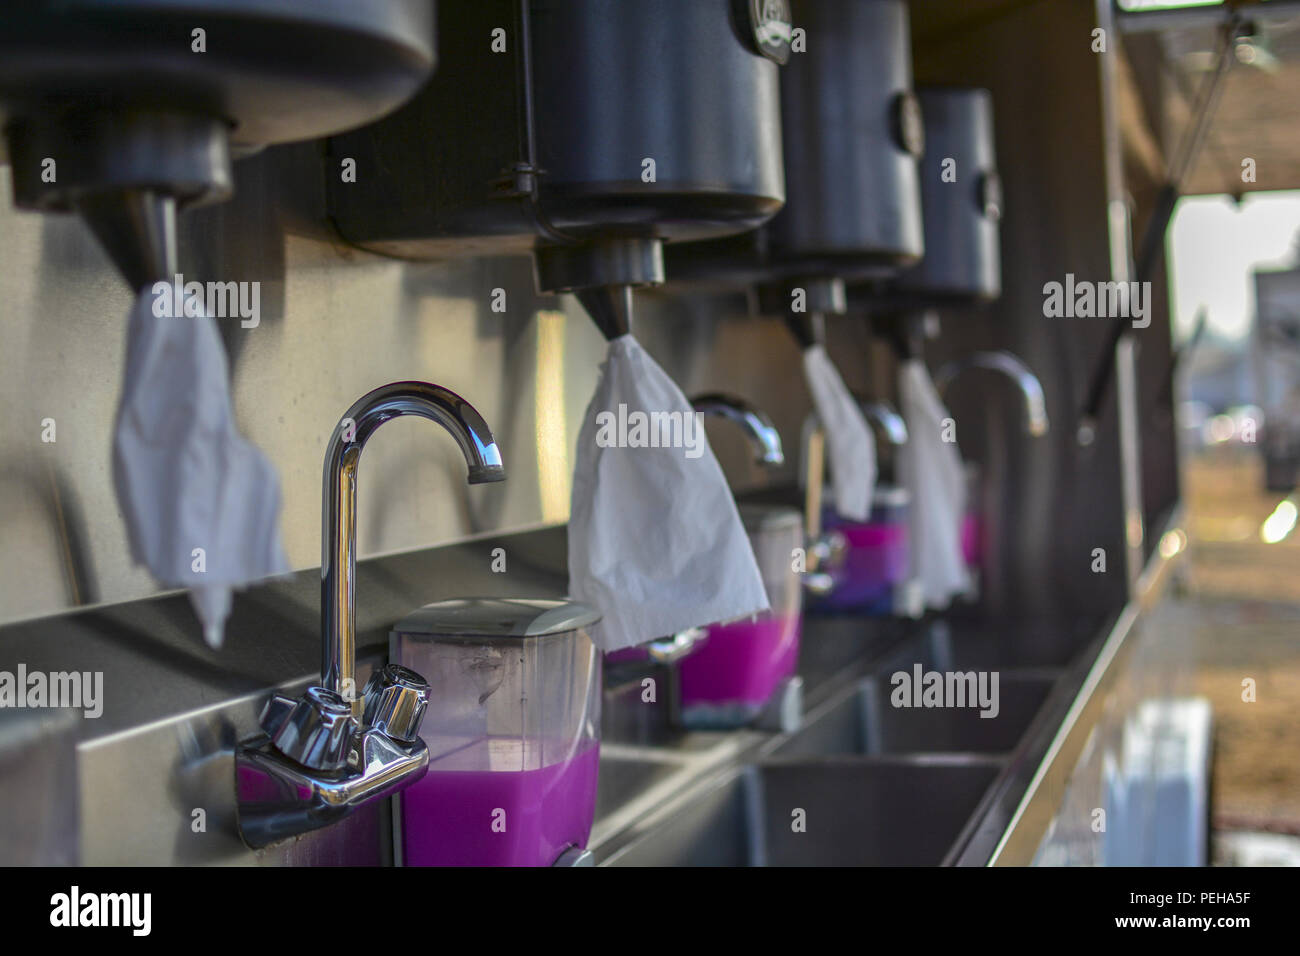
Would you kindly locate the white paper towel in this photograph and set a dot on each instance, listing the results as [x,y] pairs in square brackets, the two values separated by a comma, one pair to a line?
[850,445]
[655,540]
[931,469]
[202,505]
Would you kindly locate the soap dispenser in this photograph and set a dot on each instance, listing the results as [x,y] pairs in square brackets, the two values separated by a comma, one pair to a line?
[512,729]
[743,672]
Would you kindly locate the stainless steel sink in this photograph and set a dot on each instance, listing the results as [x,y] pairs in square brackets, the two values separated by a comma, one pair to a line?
[1050,643]
[622,779]
[863,721]
[863,782]
[830,645]
[830,811]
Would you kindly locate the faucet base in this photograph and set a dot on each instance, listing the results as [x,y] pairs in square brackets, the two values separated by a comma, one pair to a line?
[278,798]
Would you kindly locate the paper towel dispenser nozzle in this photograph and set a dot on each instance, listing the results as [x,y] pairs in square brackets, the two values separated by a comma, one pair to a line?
[118,109]
[125,171]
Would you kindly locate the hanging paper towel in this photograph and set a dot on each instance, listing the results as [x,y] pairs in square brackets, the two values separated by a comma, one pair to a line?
[850,445]
[655,541]
[930,468]
[202,505]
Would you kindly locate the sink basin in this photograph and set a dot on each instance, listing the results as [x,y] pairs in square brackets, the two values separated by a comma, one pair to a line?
[856,811]
[1046,643]
[622,779]
[628,720]
[830,644]
[874,783]
[1027,659]
[864,721]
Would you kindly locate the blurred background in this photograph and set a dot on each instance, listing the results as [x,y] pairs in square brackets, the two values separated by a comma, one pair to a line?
[1235,303]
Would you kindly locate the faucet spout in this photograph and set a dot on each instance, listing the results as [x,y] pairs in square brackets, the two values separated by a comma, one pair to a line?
[339,505]
[1012,367]
[758,428]
[887,419]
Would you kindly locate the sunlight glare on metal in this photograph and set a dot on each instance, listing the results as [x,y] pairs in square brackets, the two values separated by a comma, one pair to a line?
[1172,542]
[1280,523]
[1127,5]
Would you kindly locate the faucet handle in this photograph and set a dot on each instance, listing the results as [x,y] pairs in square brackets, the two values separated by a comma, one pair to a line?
[827,551]
[395,700]
[317,731]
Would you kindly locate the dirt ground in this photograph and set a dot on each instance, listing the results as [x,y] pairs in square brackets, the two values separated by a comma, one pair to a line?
[1247,597]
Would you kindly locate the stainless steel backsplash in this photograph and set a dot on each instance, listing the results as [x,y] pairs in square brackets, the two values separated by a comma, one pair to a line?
[334,323]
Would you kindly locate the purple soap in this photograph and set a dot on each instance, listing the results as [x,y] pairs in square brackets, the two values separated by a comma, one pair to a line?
[877,558]
[476,807]
[972,535]
[742,663]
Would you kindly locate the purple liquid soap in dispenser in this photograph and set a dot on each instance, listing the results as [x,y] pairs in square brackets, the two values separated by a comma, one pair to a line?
[873,578]
[512,729]
[730,678]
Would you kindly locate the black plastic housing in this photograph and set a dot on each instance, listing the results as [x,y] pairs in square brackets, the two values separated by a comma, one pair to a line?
[272,71]
[962,258]
[545,142]
[852,138]
[124,110]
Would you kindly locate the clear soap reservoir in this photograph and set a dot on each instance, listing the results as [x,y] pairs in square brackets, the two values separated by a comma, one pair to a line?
[512,730]
[729,680]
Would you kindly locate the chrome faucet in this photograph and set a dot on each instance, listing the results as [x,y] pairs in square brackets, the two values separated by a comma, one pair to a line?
[758,428]
[824,549]
[329,751]
[339,504]
[889,423]
[887,419]
[1012,367]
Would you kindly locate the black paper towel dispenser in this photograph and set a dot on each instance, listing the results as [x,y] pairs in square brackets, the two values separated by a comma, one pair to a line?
[961,193]
[589,131]
[121,109]
[852,138]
